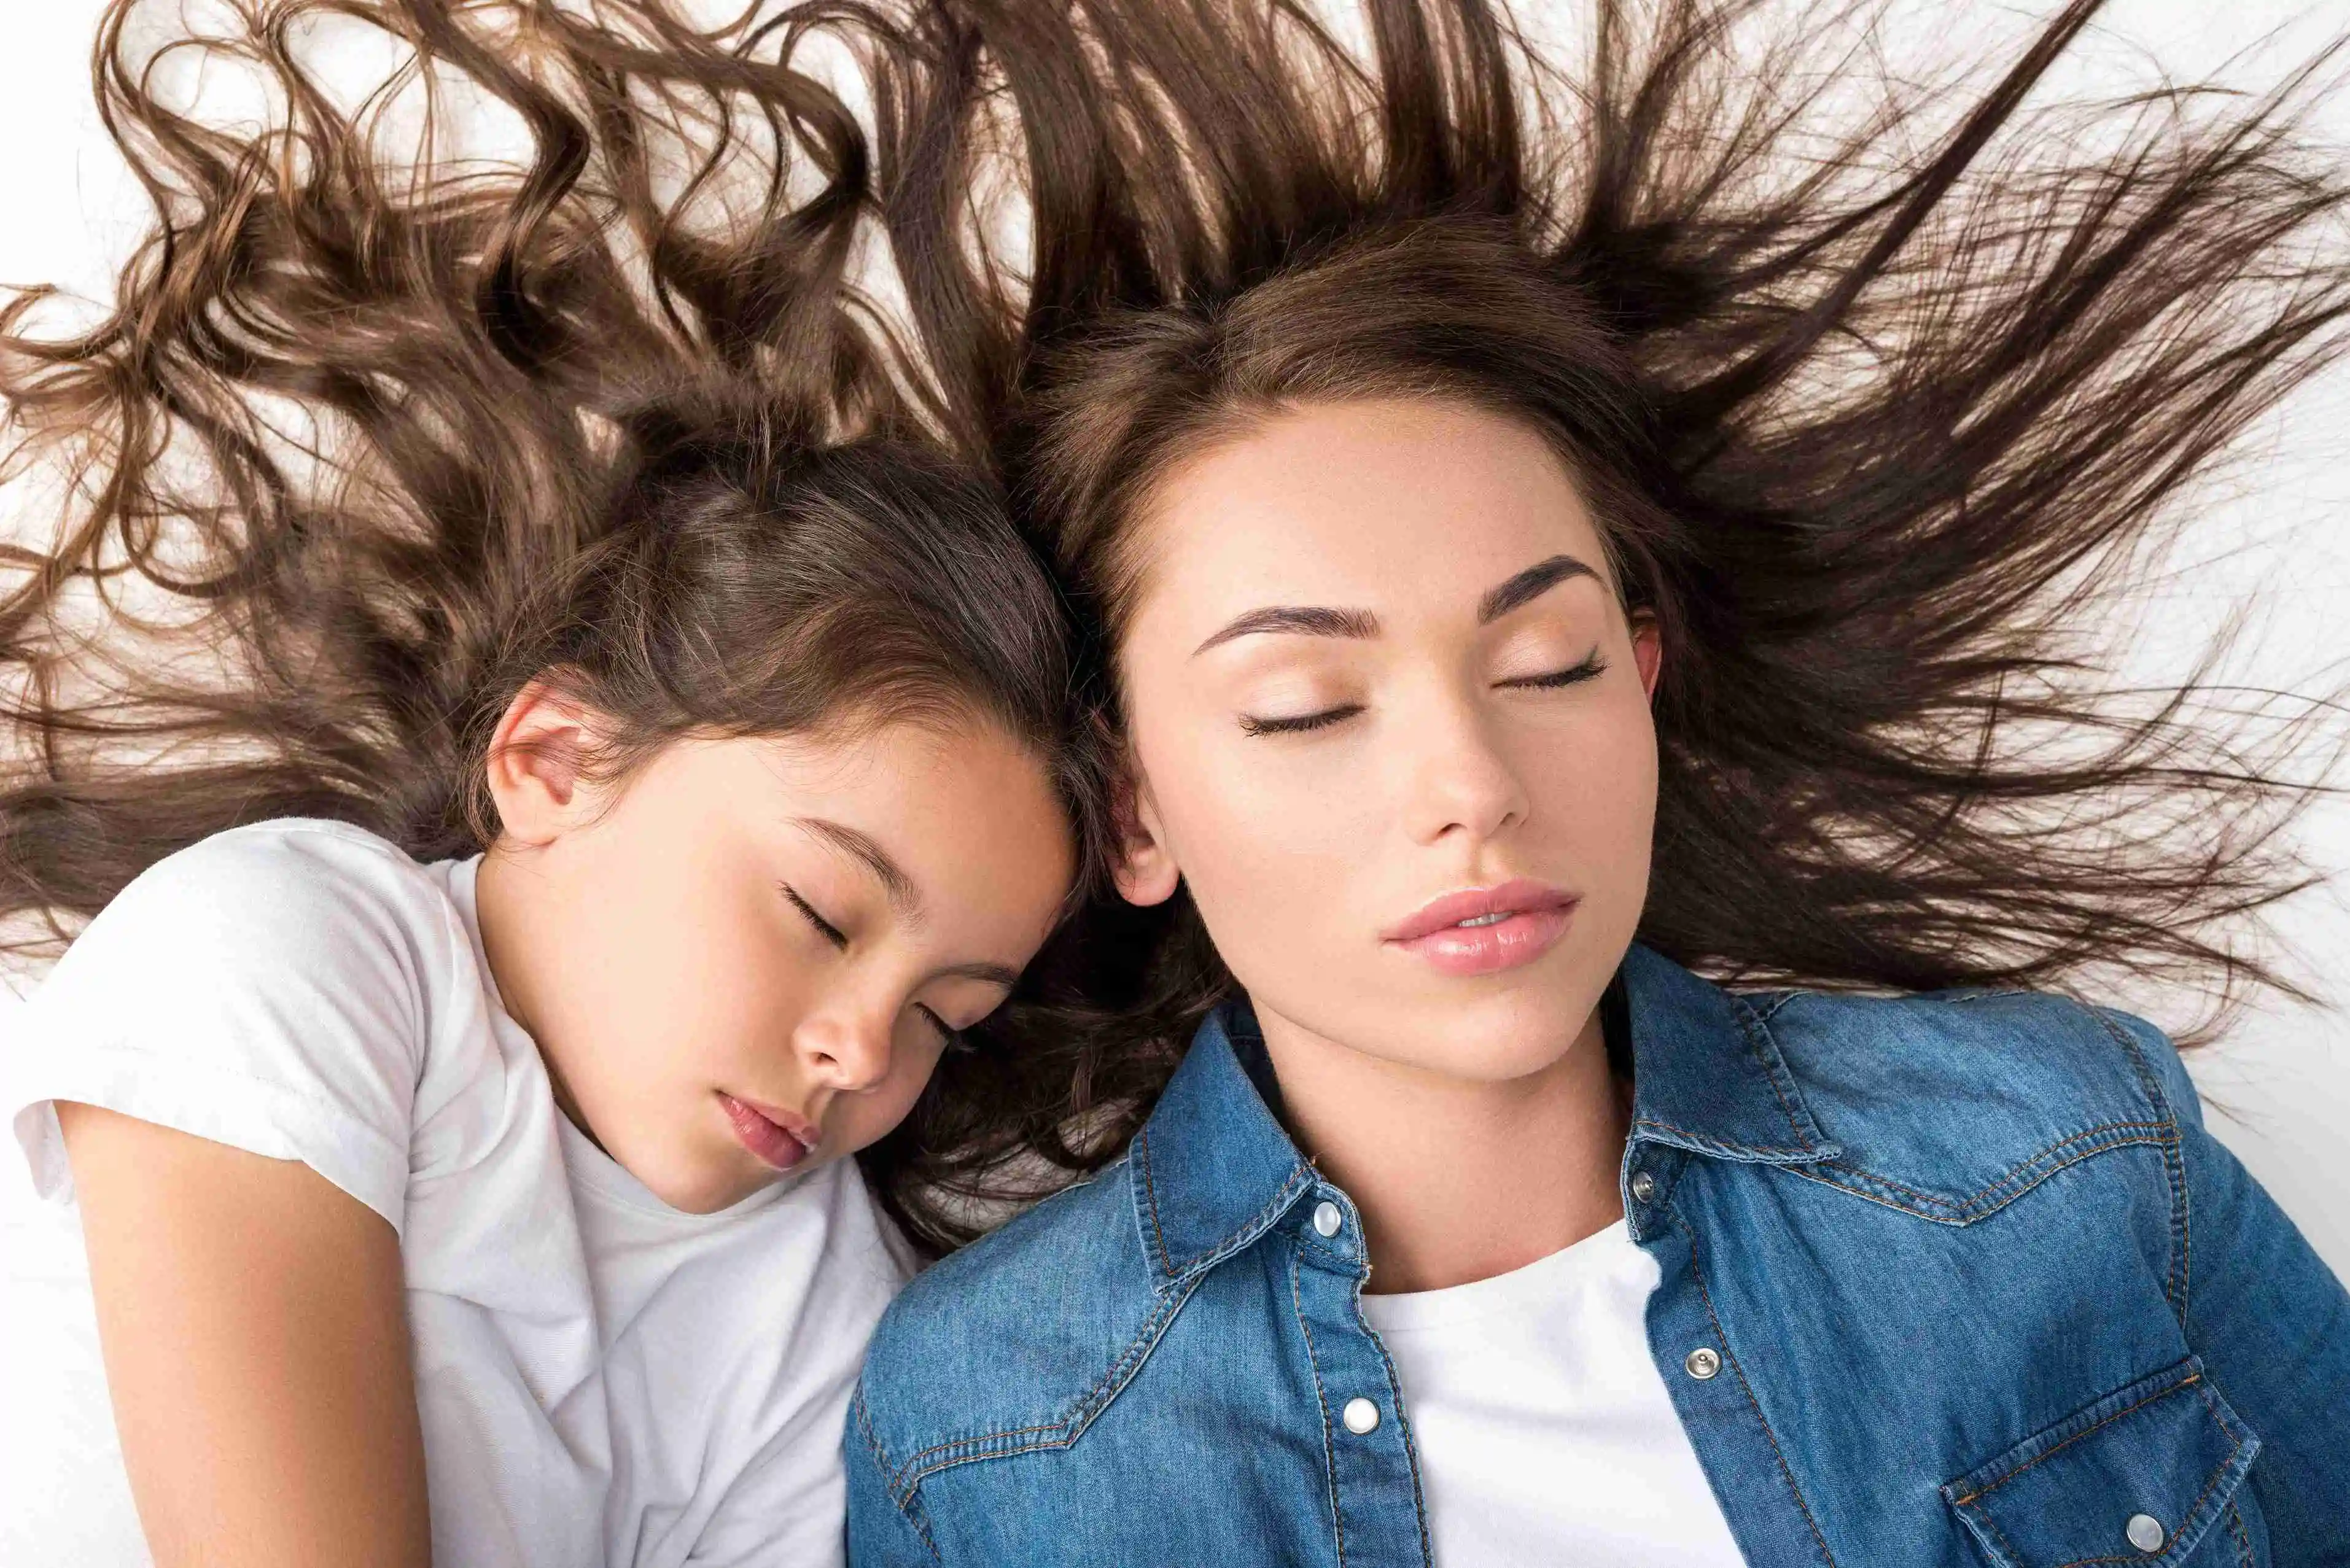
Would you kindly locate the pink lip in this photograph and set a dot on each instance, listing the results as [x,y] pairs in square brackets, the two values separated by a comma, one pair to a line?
[781,1137]
[1538,915]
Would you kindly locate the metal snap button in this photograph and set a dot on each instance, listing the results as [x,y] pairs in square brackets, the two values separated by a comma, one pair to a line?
[2145,1532]
[1643,1187]
[1703,1362]
[1361,1416]
[1326,1219]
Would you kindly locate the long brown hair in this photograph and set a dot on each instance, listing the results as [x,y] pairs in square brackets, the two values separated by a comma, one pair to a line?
[362,447]
[1870,435]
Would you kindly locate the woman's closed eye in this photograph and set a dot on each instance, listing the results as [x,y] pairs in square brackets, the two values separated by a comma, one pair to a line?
[1591,666]
[1575,674]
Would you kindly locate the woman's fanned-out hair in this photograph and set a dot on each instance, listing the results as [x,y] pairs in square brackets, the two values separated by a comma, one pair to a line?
[1873,411]
[375,433]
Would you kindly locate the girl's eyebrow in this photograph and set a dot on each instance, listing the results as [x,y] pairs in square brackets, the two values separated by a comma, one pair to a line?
[903,895]
[1319,620]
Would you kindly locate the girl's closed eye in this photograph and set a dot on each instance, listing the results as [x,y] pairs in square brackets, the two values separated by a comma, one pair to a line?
[1589,667]
[830,932]
[948,1035]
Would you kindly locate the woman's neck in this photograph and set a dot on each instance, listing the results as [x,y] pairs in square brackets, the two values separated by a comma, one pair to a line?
[1458,1179]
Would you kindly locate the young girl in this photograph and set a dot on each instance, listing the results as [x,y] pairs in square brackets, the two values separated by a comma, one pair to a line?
[541,832]
[1509,603]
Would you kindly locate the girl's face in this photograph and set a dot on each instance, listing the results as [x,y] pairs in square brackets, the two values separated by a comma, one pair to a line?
[750,955]
[1378,684]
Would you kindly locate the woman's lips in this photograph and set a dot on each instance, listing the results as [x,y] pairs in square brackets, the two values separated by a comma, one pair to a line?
[777,1136]
[1531,917]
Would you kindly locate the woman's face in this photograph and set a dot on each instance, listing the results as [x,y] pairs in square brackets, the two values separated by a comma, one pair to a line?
[1377,683]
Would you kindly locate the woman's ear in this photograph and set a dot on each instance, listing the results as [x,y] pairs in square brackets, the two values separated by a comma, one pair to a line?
[538,765]
[1648,648]
[1145,872]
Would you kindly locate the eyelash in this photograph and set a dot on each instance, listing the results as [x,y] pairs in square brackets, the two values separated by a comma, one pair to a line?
[830,932]
[1592,666]
[839,939]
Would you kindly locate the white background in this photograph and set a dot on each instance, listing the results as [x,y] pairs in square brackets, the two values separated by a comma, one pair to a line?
[2277,536]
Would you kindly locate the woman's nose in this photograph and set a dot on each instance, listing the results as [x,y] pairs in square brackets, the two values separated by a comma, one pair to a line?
[1459,782]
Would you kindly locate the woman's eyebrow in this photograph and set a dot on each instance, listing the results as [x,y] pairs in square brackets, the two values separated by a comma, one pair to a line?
[1318,620]
[1302,620]
[1529,584]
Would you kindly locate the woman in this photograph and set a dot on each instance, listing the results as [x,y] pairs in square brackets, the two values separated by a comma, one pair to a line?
[1511,601]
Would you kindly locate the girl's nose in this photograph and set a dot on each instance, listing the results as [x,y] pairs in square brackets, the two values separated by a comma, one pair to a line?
[849,1049]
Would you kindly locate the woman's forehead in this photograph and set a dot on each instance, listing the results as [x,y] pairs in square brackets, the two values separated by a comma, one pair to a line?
[1397,503]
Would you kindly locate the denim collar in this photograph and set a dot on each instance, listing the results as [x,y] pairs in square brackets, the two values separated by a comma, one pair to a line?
[1213,1169]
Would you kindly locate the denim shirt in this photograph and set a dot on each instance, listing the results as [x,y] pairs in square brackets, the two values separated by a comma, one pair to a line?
[1954,1279]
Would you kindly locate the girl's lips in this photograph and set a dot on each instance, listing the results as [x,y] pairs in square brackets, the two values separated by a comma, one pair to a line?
[1533,916]
[777,1136]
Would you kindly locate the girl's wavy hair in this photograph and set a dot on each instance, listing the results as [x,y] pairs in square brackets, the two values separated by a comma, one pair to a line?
[1873,411]
[370,439]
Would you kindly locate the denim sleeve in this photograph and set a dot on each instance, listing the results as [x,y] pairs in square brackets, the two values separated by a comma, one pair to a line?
[2272,1324]
[880,1533]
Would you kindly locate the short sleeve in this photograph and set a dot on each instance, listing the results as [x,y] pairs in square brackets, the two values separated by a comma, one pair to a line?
[266,988]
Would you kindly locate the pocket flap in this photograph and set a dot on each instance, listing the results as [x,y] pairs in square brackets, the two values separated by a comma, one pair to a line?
[2137,1477]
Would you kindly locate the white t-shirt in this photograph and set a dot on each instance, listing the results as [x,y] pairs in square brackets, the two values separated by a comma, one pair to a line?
[1545,1433]
[602,1379]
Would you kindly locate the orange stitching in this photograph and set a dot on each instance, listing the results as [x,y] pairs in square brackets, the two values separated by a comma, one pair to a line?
[1297,1180]
[1410,1447]
[1725,1143]
[2174,1167]
[1329,1448]
[1144,1336]
[881,1463]
[2158,1137]
[1151,1191]
[2188,1381]
[2172,1544]
[1749,1027]
[1698,1273]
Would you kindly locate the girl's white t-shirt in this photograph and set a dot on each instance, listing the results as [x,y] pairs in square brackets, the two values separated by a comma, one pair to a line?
[1543,1431]
[602,1379]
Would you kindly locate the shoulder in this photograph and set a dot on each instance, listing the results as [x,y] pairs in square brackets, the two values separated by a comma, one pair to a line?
[314,904]
[1017,1340]
[302,884]
[273,988]
[1951,1104]
[302,862]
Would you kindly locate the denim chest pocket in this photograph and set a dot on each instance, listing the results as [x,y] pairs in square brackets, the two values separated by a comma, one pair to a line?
[2144,1475]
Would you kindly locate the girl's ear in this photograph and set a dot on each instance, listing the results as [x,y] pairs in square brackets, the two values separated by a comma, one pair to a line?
[1145,872]
[538,765]
[1648,648]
